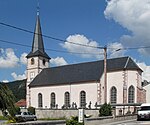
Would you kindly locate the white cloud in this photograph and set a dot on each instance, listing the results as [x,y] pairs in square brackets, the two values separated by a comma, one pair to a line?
[86,52]
[5,81]
[146,70]
[18,77]
[23,58]
[8,59]
[115,50]
[58,61]
[133,15]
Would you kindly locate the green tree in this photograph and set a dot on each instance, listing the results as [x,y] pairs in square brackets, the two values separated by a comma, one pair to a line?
[105,110]
[7,100]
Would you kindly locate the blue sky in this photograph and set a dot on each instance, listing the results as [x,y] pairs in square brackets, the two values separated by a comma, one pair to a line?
[117,24]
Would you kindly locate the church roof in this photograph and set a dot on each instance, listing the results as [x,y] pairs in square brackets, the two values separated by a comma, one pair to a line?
[37,45]
[82,72]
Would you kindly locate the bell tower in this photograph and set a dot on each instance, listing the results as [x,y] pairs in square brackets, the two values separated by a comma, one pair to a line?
[37,59]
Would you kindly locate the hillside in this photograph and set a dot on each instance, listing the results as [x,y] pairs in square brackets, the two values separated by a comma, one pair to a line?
[18,88]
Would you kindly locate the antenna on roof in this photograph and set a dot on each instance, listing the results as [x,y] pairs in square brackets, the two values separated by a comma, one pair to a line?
[38,7]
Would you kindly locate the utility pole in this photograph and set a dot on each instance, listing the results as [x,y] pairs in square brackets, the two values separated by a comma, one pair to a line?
[105,74]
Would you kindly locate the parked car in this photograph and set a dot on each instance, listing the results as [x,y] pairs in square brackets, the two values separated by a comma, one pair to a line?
[144,112]
[25,116]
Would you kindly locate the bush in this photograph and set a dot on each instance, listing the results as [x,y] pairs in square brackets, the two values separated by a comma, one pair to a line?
[105,110]
[73,121]
[3,118]
[32,110]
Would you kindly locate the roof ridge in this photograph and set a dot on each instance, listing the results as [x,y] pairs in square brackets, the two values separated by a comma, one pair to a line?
[89,62]
[126,62]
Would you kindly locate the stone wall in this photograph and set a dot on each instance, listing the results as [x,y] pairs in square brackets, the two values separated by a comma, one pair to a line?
[58,113]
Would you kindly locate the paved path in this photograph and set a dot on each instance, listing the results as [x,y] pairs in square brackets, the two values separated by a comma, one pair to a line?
[2,122]
[130,122]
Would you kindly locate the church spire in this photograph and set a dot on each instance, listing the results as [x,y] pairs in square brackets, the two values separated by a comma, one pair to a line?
[37,45]
[37,38]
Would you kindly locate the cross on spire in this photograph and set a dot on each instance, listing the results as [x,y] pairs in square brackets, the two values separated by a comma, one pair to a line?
[38,7]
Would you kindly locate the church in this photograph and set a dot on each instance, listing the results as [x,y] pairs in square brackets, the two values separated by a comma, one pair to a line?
[81,84]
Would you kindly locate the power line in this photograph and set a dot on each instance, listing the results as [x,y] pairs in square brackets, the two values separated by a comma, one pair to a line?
[141,47]
[61,40]
[50,37]
[14,43]
[129,48]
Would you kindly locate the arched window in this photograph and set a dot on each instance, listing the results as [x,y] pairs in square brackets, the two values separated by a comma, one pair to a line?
[53,100]
[82,99]
[67,99]
[44,62]
[113,95]
[131,94]
[40,100]
[32,61]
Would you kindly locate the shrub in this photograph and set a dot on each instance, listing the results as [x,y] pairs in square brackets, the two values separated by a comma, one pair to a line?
[73,121]
[3,118]
[105,110]
[32,110]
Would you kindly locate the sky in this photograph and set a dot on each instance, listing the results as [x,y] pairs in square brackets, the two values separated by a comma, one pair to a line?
[117,24]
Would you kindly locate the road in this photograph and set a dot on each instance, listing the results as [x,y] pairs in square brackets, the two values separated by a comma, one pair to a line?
[133,122]
[2,122]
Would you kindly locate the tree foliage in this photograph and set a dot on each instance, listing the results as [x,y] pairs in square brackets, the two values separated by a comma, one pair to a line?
[105,110]
[18,88]
[7,100]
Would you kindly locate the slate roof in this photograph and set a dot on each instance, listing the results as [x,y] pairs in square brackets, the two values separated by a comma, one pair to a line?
[37,45]
[82,72]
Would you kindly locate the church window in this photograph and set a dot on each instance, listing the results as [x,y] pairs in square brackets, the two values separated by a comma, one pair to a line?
[113,95]
[32,75]
[53,100]
[40,100]
[32,61]
[131,94]
[44,62]
[82,99]
[67,99]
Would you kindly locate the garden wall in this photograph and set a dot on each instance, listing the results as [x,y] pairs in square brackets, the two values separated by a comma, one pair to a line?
[58,113]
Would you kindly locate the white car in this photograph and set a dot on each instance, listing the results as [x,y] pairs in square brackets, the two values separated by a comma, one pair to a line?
[144,112]
[26,116]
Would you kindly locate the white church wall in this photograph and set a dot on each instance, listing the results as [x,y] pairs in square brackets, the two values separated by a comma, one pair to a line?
[73,89]
[32,71]
[133,80]
[115,79]
[41,62]
[91,93]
